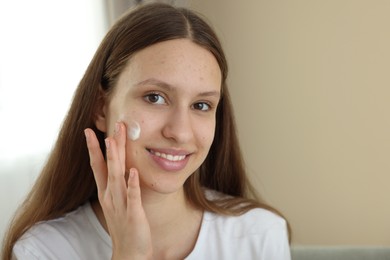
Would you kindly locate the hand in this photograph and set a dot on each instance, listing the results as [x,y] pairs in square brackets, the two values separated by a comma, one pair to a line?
[120,201]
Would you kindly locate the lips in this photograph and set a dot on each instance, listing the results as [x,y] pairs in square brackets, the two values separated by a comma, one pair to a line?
[170,160]
[169,157]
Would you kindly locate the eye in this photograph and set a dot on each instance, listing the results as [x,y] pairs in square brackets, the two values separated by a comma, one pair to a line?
[155,98]
[203,106]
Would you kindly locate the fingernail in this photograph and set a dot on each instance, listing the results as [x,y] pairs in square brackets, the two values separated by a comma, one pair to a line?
[107,143]
[117,128]
[131,173]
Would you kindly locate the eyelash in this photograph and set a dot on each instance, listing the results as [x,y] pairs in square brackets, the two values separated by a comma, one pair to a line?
[148,96]
[203,103]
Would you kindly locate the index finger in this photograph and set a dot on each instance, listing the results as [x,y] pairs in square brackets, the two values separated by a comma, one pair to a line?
[96,158]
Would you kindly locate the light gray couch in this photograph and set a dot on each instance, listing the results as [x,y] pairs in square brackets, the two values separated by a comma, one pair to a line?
[340,253]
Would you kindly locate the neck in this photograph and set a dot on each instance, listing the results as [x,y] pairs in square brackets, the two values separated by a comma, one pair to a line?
[163,209]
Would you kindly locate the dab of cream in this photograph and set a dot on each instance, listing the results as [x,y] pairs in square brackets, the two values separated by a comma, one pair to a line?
[133,130]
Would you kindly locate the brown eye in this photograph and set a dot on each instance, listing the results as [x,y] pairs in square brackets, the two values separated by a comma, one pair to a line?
[203,106]
[155,98]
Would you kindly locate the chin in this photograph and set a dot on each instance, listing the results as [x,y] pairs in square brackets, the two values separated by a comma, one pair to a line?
[163,185]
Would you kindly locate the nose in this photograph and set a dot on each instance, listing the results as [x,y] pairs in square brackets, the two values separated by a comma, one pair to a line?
[179,126]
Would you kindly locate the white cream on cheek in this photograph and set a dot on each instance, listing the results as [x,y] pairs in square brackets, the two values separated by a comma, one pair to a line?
[133,130]
[133,127]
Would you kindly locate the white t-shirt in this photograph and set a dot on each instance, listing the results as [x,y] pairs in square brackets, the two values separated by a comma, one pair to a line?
[257,234]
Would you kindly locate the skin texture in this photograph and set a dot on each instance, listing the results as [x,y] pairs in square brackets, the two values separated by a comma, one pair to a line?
[172,89]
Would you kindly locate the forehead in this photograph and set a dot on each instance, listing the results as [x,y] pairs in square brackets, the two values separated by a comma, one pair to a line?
[175,62]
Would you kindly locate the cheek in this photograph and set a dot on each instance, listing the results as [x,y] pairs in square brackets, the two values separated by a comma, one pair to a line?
[206,134]
[137,124]
[135,148]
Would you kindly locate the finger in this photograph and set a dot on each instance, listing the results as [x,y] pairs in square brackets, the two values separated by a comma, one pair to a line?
[96,158]
[120,138]
[136,213]
[134,203]
[116,177]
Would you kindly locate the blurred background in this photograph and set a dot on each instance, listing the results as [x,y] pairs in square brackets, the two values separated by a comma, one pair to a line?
[309,81]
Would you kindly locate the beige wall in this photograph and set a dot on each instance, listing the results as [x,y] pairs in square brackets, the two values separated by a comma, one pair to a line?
[310,81]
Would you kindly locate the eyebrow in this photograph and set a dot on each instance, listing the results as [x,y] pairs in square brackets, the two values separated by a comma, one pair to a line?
[152,81]
[168,87]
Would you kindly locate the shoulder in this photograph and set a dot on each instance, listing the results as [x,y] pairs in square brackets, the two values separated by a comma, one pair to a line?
[256,221]
[65,237]
[255,234]
[68,225]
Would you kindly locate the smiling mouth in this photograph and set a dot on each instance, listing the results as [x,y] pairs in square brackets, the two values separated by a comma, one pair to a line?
[169,157]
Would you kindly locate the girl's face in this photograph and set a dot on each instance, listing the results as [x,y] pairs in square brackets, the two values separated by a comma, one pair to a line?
[171,89]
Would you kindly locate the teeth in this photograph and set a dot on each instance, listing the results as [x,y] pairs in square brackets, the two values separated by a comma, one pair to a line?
[169,157]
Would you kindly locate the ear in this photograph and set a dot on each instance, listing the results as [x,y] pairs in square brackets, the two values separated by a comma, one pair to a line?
[100,116]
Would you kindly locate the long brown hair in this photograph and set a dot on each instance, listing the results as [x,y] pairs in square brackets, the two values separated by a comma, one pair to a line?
[67,181]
